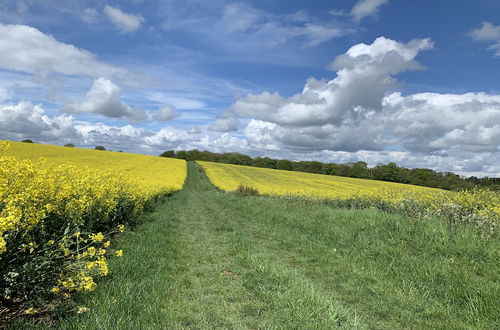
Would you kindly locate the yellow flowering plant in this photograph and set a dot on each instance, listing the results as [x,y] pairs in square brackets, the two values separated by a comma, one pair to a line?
[56,220]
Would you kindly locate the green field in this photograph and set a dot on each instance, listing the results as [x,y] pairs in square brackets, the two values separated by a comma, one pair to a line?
[208,259]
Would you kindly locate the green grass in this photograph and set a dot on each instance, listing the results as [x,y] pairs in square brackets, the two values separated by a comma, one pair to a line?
[207,259]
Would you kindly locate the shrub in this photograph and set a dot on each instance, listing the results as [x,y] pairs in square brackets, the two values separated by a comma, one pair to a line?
[100,148]
[27,141]
[246,191]
[69,145]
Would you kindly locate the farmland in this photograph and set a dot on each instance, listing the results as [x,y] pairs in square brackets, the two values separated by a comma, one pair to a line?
[217,260]
[481,208]
[206,257]
[151,174]
[59,214]
[279,182]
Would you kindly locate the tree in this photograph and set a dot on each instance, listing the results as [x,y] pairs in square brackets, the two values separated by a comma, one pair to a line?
[182,155]
[100,148]
[391,172]
[284,164]
[327,168]
[69,145]
[314,167]
[265,162]
[343,170]
[359,170]
[168,153]
[27,141]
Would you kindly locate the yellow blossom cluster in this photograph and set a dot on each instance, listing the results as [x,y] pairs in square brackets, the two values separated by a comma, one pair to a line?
[57,213]
[480,207]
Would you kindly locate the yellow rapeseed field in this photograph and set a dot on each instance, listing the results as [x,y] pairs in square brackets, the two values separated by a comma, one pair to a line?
[481,207]
[151,174]
[279,182]
[58,208]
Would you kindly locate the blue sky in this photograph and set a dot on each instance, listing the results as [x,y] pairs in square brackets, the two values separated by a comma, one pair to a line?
[336,81]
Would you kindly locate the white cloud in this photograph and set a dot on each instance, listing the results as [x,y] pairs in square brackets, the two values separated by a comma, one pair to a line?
[259,28]
[165,113]
[179,102]
[125,22]
[250,33]
[364,75]
[38,53]
[90,15]
[25,120]
[488,32]
[359,111]
[430,122]
[102,98]
[224,124]
[365,8]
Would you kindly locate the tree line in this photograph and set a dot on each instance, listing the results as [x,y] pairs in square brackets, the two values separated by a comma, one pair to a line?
[385,172]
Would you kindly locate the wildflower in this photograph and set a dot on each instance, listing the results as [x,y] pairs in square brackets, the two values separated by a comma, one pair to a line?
[87,283]
[119,253]
[30,311]
[91,251]
[121,228]
[103,267]
[99,237]
[107,244]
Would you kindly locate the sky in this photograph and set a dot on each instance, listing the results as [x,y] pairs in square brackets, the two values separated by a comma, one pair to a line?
[411,82]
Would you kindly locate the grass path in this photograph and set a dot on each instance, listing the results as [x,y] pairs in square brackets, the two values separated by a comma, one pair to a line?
[206,259]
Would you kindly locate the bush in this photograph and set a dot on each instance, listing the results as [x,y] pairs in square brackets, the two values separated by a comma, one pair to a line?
[69,145]
[246,191]
[100,148]
[27,141]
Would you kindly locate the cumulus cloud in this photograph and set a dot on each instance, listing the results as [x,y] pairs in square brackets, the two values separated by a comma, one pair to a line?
[25,120]
[366,8]
[165,113]
[360,111]
[431,122]
[125,22]
[490,33]
[24,48]
[102,98]
[364,74]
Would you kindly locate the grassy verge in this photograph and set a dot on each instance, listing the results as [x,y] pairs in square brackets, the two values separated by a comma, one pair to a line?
[207,259]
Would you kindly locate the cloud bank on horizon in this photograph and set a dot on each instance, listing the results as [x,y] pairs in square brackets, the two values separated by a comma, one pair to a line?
[229,76]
